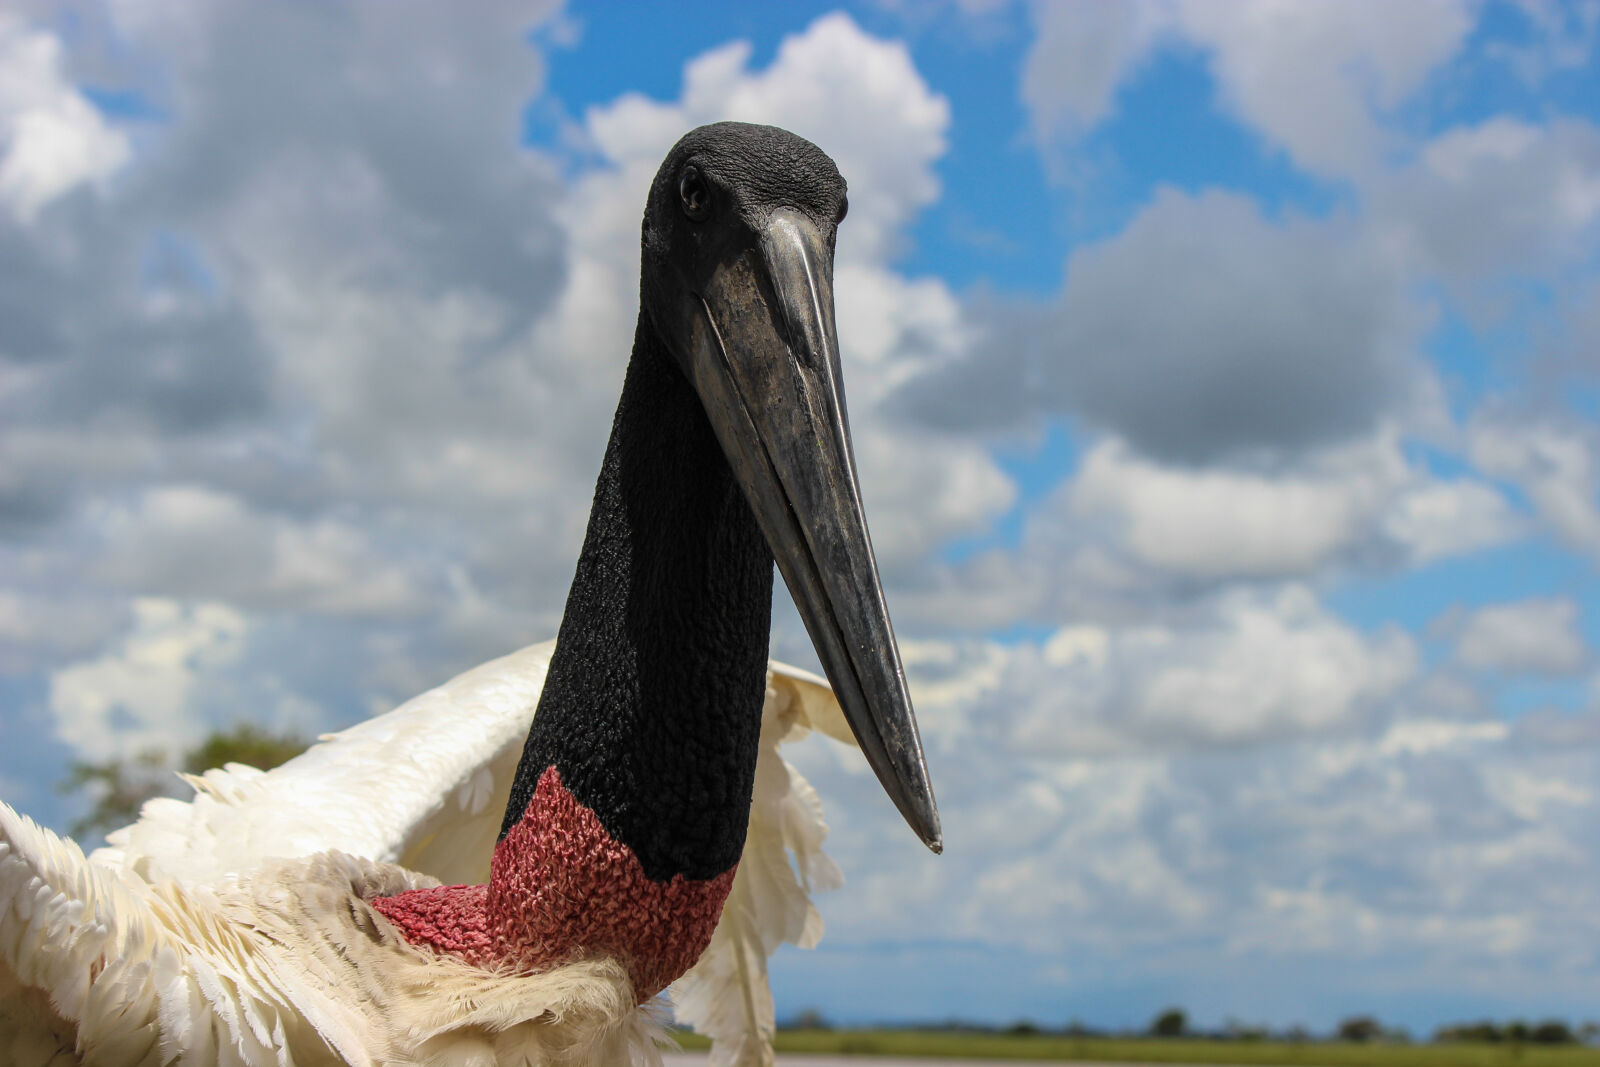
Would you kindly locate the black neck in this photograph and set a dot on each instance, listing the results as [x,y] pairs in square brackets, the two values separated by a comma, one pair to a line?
[651,710]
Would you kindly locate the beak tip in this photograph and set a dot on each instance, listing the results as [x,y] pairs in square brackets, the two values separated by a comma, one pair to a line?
[928,830]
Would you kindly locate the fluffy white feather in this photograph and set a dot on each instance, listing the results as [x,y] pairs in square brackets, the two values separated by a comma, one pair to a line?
[232,928]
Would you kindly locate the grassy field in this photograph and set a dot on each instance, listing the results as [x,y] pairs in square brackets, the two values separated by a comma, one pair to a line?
[1146,1050]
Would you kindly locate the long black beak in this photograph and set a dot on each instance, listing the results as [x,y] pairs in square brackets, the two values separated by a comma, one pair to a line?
[764,356]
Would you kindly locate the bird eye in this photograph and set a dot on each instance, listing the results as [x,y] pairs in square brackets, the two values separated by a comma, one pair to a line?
[844,209]
[695,195]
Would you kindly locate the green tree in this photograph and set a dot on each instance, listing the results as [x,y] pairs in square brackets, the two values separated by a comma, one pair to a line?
[1553,1032]
[1170,1023]
[809,1019]
[244,743]
[120,787]
[1360,1028]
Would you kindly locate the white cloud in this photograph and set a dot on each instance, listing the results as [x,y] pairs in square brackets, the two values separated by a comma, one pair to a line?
[1450,517]
[1336,507]
[137,694]
[858,97]
[1530,796]
[1219,523]
[196,542]
[1249,669]
[287,364]
[1364,823]
[1537,636]
[1315,79]
[1081,54]
[921,491]
[52,139]
[1418,737]
[1556,464]
[1283,666]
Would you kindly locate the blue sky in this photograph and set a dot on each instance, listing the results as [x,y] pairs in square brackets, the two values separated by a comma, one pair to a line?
[1223,378]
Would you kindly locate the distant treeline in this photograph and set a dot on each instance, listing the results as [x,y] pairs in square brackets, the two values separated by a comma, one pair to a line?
[1548,1032]
[1174,1023]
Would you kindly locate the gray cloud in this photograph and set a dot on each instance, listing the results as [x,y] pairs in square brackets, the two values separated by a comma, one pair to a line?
[98,340]
[1202,330]
[1482,204]
[289,140]
[1536,636]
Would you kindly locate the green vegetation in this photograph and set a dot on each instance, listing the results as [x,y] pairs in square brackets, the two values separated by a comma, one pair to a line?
[958,1044]
[1358,1041]
[120,787]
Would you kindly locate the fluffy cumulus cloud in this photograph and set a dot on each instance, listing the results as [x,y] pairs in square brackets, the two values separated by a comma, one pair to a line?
[859,97]
[1198,752]
[1367,815]
[138,694]
[198,542]
[52,139]
[1562,37]
[1127,537]
[1359,504]
[1250,386]
[1080,55]
[1317,78]
[1555,461]
[1537,636]
[1251,669]
[1313,79]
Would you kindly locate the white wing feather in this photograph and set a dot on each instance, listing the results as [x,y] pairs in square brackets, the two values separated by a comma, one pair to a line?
[95,970]
[423,786]
[58,917]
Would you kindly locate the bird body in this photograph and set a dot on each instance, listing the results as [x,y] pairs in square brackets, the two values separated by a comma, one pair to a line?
[335,910]
[238,927]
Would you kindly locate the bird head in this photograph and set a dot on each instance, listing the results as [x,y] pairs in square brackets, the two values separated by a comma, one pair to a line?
[737,279]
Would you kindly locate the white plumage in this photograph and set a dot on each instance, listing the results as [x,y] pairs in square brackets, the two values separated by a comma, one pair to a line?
[233,928]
